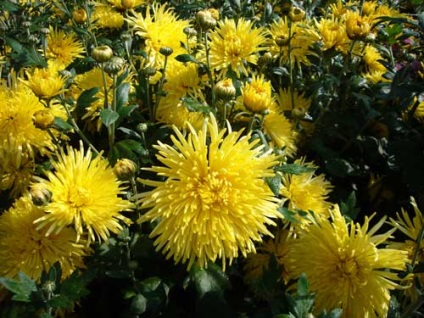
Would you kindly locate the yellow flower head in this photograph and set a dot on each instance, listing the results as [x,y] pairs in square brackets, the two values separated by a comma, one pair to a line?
[357,27]
[126,4]
[411,227]
[104,16]
[303,37]
[257,263]
[372,58]
[333,34]
[16,167]
[344,266]
[214,202]
[298,102]
[306,191]
[281,131]
[85,193]
[234,45]
[25,248]
[63,48]
[46,83]
[17,107]
[256,96]
[160,28]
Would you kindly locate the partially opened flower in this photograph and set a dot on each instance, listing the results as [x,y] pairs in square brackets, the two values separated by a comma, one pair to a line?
[213,202]
[46,83]
[85,193]
[345,266]
[25,248]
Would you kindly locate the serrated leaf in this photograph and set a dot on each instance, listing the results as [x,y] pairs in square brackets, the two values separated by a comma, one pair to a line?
[294,168]
[22,288]
[108,116]
[184,58]
[60,124]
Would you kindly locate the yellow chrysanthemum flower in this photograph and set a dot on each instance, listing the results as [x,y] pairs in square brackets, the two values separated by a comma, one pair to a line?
[306,192]
[372,57]
[16,167]
[160,28]
[257,94]
[45,83]
[357,26]
[258,262]
[303,37]
[63,48]
[234,45]
[344,266]
[126,4]
[411,227]
[333,34]
[25,248]
[214,202]
[104,16]
[17,107]
[85,193]
[298,103]
[281,131]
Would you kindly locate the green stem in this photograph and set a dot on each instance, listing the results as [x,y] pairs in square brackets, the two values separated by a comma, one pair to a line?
[208,62]
[161,83]
[111,128]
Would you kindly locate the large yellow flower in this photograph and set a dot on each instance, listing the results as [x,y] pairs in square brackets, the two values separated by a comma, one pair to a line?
[306,191]
[213,202]
[333,34]
[234,45]
[25,248]
[85,193]
[161,28]
[344,266]
[63,48]
[104,16]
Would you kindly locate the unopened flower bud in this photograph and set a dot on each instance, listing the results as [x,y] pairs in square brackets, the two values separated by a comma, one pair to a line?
[26,24]
[125,36]
[45,31]
[114,65]
[127,4]
[33,38]
[124,169]
[298,112]
[43,119]
[40,196]
[205,20]
[149,71]
[166,51]
[49,287]
[281,40]
[225,90]
[214,13]
[265,59]
[190,31]
[142,127]
[79,16]
[102,53]
[296,14]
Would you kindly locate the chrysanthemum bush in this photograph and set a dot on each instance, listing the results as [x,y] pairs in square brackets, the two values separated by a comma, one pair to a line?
[204,159]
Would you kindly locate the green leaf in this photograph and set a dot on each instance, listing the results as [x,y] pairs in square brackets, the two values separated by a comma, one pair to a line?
[348,207]
[60,124]
[108,116]
[15,45]
[87,97]
[288,215]
[302,286]
[122,95]
[22,288]
[184,58]
[9,6]
[195,106]
[138,304]
[126,110]
[294,168]
[274,184]
[210,279]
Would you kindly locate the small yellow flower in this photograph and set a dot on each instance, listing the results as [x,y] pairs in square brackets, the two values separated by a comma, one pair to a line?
[213,201]
[234,45]
[357,27]
[46,83]
[104,16]
[257,96]
[333,34]
[63,48]
[85,193]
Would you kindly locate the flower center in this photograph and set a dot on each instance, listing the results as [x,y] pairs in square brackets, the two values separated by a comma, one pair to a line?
[214,189]
[78,197]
